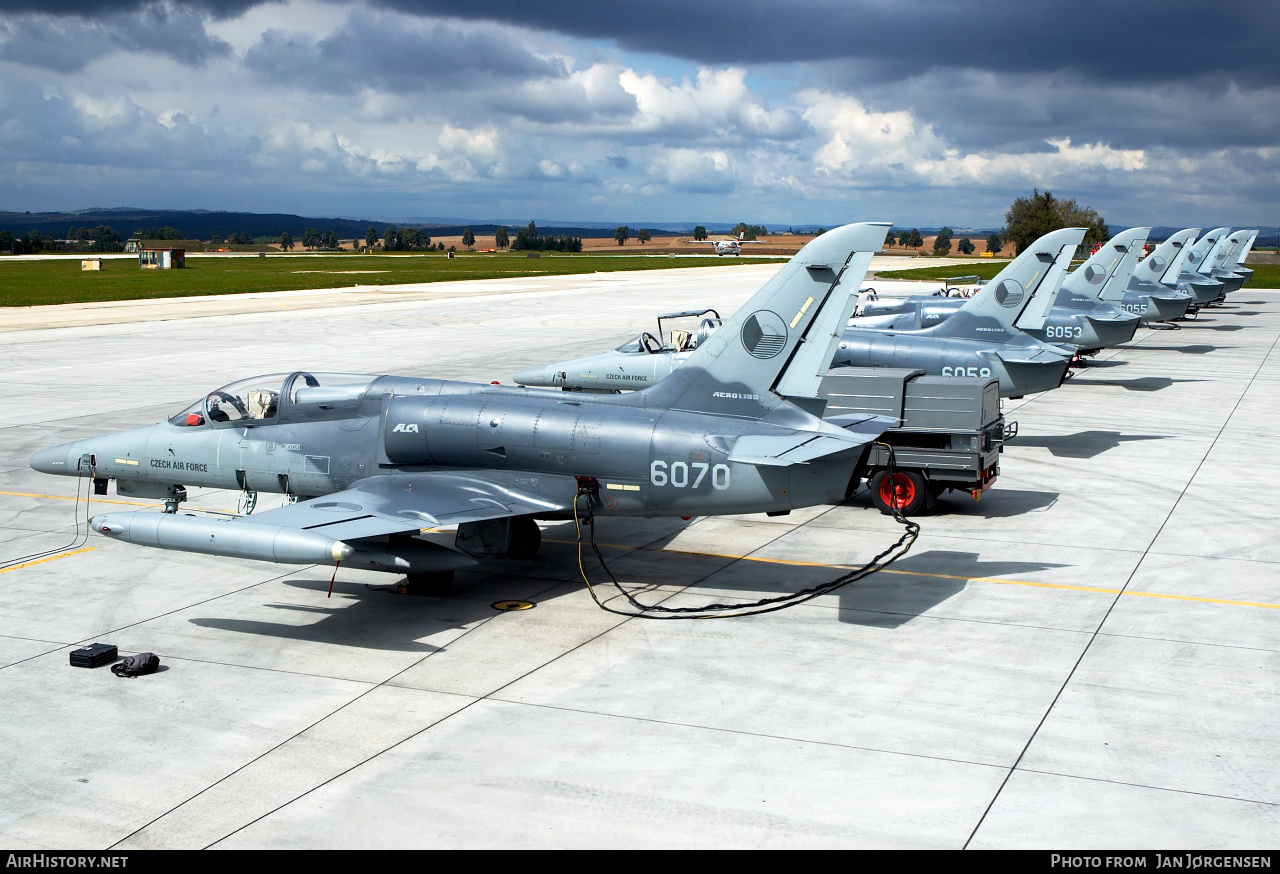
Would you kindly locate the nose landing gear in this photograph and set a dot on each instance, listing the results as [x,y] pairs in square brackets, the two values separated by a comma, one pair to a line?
[176,495]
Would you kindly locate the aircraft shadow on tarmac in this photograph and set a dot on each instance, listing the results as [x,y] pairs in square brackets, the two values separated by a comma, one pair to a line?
[1083,444]
[369,617]
[1200,324]
[1145,383]
[912,586]
[999,503]
[1192,349]
[893,599]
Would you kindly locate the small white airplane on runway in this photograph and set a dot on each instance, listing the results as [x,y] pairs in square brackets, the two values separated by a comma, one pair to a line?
[730,247]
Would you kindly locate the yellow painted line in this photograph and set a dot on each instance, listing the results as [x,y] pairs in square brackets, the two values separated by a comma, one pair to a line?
[1000,580]
[102,501]
[783,561]
[65,498]
[43,560]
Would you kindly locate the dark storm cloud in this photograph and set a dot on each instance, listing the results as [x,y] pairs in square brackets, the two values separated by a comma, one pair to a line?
[67,44]
[980,110]
[1105,40]
[379,51]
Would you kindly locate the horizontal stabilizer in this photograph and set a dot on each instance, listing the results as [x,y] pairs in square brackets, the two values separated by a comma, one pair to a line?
[784,450]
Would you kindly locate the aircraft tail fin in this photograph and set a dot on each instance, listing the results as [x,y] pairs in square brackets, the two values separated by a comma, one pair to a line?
[780,341]
[1106,274]
[1198,256]
[1164,264]
[1033,276]
[1226,258]
[1246,248]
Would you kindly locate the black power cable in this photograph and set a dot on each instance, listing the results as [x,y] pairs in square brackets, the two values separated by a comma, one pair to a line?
[729,611]
[84,472]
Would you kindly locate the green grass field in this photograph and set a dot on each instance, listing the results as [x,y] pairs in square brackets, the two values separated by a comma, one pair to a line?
[986,270]
[60,280]
[1264,275]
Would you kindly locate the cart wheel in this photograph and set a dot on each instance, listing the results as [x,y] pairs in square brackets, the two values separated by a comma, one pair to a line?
[434,583]
[906,490]
[526,537]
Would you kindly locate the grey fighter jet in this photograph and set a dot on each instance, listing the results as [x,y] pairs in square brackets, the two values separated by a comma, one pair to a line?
[979,337]
[982,343]
[1108,272]
[1058,316]
[1197,256]
[1161,272]
[737,428]
[1243,254]
[1221,262]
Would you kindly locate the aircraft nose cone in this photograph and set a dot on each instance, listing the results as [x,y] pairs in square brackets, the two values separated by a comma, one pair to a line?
[535,376]
[58,460]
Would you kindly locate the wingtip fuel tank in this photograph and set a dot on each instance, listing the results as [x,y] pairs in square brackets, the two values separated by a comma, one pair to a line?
[228,537]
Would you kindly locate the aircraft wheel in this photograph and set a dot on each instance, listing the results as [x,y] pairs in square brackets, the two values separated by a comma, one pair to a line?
[906,490]
[437,583]
[526,538]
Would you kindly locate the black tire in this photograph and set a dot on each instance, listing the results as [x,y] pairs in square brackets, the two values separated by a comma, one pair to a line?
[436,583]
[912,492]
[526,538]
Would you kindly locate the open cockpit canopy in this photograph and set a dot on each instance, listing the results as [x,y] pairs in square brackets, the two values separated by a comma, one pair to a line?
[676,333]
[259,399]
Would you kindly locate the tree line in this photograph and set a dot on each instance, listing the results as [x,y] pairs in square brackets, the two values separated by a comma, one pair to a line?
[1026,220]
[528,239]
[99,239]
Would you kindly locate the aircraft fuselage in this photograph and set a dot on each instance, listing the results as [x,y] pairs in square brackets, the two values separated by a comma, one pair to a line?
[646,462]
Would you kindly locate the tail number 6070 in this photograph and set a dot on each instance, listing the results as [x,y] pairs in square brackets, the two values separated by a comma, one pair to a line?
[677,473]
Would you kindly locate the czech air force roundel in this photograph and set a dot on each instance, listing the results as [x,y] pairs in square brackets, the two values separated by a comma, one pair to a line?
[764,334]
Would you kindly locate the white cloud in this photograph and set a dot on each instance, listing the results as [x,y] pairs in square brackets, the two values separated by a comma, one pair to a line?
[718,103]
[696,171]
[865,147]
[595,93]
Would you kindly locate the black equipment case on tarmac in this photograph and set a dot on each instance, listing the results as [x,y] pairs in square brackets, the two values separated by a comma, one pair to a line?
[94,656]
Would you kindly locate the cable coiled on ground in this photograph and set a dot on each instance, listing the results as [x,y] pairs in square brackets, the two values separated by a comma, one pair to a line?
[728,611]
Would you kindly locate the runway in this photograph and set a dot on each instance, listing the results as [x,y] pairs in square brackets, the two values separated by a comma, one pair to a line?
[1089,657]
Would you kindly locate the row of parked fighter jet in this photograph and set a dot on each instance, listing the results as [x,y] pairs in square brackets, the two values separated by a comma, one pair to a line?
[1026,327]
[743,427]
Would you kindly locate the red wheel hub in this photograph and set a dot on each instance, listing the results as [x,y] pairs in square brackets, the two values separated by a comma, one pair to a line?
[897,491]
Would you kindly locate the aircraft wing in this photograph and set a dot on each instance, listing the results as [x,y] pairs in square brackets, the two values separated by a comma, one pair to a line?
[330,529]
[405,503]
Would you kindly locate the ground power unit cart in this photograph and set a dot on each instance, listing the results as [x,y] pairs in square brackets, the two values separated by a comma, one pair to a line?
[950,434]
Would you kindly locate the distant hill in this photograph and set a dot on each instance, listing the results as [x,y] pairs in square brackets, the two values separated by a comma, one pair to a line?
[199,224]
[196,224]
